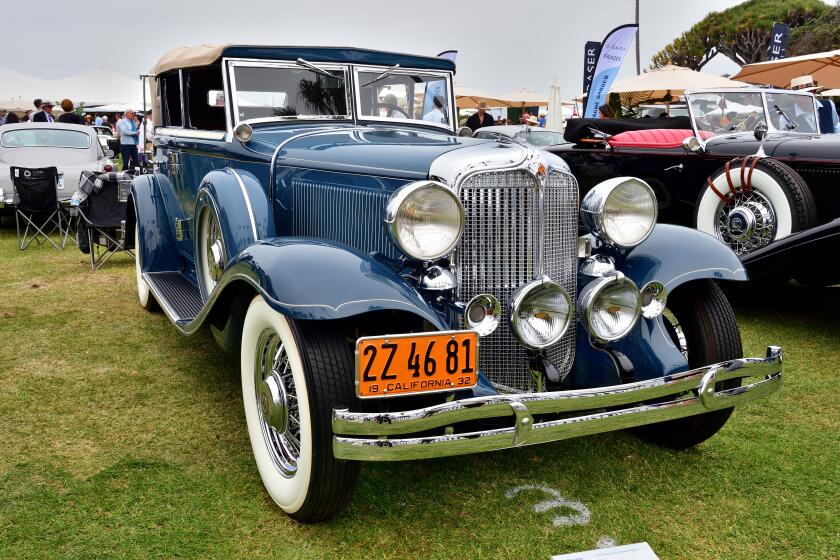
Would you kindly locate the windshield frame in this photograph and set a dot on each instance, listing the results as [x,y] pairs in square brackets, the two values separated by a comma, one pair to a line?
[230,77]
[761,91]
[445,75]
[48,129]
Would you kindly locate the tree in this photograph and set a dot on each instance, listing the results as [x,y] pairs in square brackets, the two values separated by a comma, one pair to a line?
[818,35]
[742,32]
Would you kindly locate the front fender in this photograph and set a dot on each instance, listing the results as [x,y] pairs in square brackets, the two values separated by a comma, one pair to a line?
[306,278]
[674,255]
[241,204]
[159,250]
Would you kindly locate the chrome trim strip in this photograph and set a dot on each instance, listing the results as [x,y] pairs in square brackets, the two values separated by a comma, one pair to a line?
[247,202]
[190,133]
[693,393]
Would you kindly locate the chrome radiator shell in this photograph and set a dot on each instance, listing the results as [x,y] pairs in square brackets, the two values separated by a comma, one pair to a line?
[518,226]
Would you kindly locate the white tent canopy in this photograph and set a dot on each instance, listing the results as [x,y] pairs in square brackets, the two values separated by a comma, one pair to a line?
[824,67]
[670,79]
[97,87]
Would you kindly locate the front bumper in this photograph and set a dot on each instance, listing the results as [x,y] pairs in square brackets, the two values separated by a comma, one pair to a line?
[602,409]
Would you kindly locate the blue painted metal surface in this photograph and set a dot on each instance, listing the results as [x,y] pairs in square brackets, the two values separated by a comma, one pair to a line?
[159,252]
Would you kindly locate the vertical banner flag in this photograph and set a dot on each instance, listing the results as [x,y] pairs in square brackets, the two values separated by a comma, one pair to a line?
[778,41]
[448,55]
[590,58]
[613,50]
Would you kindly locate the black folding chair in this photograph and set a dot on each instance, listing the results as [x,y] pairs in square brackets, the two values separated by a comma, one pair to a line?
[38,206]
[102,216]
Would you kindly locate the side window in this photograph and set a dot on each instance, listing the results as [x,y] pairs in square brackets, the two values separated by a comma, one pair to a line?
[201,113]
[170,96]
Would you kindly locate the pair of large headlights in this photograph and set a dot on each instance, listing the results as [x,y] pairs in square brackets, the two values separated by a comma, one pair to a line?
[426,220]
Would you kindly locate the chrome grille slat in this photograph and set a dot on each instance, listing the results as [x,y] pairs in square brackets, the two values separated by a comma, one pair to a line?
[497,255]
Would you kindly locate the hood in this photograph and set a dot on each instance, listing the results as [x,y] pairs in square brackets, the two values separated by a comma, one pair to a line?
[393,152]
[779,145]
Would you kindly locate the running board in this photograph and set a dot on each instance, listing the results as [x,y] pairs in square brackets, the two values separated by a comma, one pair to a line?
[179,298]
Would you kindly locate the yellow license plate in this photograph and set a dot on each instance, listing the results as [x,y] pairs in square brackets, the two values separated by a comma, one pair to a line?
[389,366]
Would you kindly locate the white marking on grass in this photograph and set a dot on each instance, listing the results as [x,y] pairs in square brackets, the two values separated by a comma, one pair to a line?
[605,542]
[580,518]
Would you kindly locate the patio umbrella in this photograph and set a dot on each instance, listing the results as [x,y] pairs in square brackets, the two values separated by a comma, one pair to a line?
[668,80]
[525,98]
[555,108]
[824,67]
[830,93]
[17,104]
[469,98]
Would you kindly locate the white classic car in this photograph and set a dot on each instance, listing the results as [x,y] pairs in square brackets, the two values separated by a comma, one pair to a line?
[71,148]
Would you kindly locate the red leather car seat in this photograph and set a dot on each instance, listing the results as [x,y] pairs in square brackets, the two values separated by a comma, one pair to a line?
[654,138]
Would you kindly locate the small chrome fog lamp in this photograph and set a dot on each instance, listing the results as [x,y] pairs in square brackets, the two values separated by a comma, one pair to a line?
[540,313]
[609,306]
[620,211]
[482,314]
[653,298]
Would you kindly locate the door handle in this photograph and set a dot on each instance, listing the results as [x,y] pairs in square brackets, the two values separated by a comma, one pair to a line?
[677,167]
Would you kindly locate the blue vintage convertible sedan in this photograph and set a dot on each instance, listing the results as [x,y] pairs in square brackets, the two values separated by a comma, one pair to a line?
[397,291]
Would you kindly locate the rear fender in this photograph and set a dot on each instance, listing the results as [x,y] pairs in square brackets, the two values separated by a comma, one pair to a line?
[159,250]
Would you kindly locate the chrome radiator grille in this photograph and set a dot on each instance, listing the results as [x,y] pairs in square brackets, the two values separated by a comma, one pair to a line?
[497,255]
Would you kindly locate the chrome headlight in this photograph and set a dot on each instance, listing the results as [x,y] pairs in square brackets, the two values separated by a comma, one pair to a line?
[620,211]
[609,306]
[540,313]
[425,220]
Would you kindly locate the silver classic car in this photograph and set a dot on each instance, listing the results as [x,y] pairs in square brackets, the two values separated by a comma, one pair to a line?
[71,148]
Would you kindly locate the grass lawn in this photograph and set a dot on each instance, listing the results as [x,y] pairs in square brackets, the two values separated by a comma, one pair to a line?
[119,438]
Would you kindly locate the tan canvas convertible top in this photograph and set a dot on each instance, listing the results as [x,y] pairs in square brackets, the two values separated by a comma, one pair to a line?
[188,57]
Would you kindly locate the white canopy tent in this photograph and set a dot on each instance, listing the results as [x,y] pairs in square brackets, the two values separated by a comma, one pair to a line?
[97,87]
[668,80]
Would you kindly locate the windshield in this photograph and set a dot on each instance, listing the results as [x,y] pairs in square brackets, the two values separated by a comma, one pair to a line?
[541,138]
[791,112]
[279,91]
[45,138]
[726,112]
[405,95]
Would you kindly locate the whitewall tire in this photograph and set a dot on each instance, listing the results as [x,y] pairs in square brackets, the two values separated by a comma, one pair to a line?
[289,391]
[144,293]
[211,249]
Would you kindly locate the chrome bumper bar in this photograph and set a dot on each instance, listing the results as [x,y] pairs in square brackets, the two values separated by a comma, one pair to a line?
[601,410]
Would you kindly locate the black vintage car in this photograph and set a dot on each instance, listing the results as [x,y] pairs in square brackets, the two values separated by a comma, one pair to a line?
[747,165]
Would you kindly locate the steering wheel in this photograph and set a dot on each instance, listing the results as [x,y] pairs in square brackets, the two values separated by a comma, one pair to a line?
[393,107]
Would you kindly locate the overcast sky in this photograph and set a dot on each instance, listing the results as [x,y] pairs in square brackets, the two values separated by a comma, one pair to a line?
[501,47]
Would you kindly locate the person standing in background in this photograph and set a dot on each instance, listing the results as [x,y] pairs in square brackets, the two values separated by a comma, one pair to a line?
[12,118]
[45,114]
[70,116]
[127,128]
[480,118]
[98,120]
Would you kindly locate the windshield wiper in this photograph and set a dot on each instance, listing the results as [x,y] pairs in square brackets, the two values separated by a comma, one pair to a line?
[310,66]
[383,75]
[790,124]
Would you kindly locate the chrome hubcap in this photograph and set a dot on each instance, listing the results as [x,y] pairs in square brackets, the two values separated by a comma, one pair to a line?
[746,222]
[214,249]
[277,402]
[677,332]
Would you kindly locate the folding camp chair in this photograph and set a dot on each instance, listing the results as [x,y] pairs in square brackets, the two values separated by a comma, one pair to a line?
[102,216]
[38,206]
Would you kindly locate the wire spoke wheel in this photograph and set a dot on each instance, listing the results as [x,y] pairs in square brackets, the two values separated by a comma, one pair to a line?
[746,222]
[277,402]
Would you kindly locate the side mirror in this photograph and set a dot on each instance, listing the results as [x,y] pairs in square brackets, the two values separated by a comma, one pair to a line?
[694,145]
[465,131]
[216,98]
[760,131]
[109,153]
